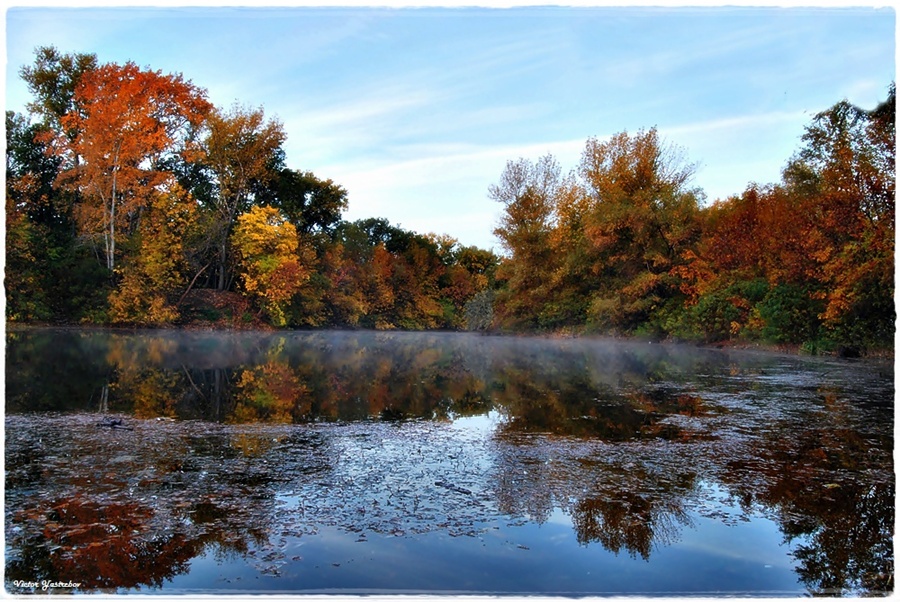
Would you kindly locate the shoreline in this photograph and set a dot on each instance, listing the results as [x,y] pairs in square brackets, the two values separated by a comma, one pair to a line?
[794,349]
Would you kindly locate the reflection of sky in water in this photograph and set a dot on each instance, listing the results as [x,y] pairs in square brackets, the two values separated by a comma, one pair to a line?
[481,424]
[742,556]
[710,558]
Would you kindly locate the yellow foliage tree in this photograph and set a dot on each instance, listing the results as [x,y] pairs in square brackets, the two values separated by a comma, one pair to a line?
[272,263]
[153,275]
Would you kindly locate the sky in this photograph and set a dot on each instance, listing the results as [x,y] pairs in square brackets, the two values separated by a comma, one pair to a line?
[416,111]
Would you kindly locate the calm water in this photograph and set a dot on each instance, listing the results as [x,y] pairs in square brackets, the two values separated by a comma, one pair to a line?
[183,463]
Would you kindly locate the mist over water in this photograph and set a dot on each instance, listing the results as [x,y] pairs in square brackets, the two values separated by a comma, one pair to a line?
[186,462]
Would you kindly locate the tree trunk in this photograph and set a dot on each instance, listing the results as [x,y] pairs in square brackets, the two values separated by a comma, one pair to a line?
[111,247]
[191,285]
[223,255]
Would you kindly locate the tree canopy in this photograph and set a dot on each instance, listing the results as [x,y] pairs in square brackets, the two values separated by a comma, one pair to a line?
[131,199]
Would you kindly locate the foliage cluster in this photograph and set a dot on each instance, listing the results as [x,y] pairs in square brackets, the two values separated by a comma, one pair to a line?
[624,245]
[128,191]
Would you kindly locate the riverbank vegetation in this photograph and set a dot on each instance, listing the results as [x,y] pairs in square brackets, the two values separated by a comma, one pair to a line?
[132,200]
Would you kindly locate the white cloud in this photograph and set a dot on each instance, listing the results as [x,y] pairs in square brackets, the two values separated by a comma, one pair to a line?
[451,180]
[442,188]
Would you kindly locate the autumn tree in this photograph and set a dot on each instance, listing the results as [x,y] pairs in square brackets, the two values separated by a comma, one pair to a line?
[753,272]
[273,264]
[157,273]
[416,283]
[343,301]
[808,260]
[845,174]
[242,152]
[527,191]
[128,119]
[601,244]
[480,264]
[641,219]
[61,279]
[576,275]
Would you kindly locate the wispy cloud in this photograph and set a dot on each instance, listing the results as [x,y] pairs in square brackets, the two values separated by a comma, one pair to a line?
[450,181]
[416,112]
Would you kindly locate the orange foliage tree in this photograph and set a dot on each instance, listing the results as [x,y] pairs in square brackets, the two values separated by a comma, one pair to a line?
[846,171]
[809,259]
[640,221]
[128,120]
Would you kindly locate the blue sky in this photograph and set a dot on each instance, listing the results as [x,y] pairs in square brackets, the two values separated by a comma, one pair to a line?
[417,111]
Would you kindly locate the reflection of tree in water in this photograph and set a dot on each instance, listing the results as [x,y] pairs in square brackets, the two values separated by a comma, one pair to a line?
[624,498]
[304,379]
[270,392]
[828,472]
[610,498]
[831,488]
[569,404]
[128,509]
[611,395]
[105,546]
[630,521]
[616,438]
[330,376]
[850,550]
[831,500]
[54,371]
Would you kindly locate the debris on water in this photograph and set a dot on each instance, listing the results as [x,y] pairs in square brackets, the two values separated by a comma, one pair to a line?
[453,487]
[114,423]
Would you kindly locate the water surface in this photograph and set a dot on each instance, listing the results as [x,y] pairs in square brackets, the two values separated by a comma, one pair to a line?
[347,462]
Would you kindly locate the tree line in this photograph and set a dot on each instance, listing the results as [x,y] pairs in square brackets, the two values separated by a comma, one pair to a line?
[624,244]
[131,199]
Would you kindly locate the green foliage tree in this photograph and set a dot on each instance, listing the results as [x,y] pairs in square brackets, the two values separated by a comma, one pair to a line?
[53,80]
[49,275]
[311,204]
[47,268]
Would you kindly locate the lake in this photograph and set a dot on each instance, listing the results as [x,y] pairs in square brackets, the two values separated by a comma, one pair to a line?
[177,462]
